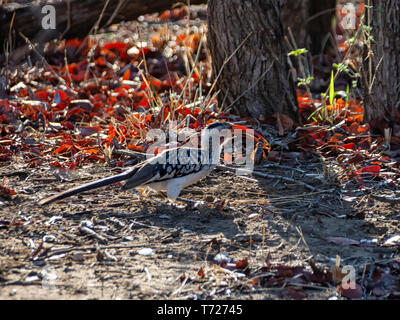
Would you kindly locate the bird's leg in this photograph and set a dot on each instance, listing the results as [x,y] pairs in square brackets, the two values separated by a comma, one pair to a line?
[154,200]
[149,198]
[144,191]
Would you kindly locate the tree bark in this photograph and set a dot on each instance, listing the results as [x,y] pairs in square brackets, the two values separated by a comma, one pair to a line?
[83,15]
[321,12]
[381,68]
[309,21]
[294,14]
[255,80]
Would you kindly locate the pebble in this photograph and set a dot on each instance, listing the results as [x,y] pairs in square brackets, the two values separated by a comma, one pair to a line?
[392,241]
[49,238]
[78,256]
[146,252]
[87,224]
[53,220]
[222,256]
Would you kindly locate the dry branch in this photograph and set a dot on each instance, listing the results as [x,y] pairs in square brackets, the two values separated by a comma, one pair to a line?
[265,175]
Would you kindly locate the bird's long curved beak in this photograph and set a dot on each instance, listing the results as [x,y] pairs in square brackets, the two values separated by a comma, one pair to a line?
[257,137]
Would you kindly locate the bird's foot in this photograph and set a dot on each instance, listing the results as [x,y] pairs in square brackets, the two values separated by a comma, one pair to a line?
[193,203]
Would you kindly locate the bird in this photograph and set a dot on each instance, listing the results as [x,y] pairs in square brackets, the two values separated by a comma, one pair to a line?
[172,170]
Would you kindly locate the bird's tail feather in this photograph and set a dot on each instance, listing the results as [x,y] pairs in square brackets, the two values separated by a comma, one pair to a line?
[86,187]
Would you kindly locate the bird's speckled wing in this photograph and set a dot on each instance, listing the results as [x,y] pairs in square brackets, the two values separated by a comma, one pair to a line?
[173,163]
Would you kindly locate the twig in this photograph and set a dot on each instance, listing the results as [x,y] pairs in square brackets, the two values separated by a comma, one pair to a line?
[8,49]
[92,233]
[42,58]
[130,153]
[67,69]
[181,287]
[148,274]
[321,13]
[91,248]
[95,27]
[154,227]
[120,3]
[306,286]
[386,199]
[275,165]
[68,19]
[265,175]
[298,229]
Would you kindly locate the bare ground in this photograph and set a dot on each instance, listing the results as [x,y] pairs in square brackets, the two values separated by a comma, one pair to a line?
[87,247]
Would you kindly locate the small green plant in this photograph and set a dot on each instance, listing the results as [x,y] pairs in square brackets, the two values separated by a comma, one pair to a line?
[298,52]
[342,67]
[332,92]
[304,82]
[304,69]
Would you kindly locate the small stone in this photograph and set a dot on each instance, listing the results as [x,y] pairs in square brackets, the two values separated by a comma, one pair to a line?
[221,257]
[49,238]
[127,238]
[133,51]
[78,256]
[146,252]
[209,198]
[87,224]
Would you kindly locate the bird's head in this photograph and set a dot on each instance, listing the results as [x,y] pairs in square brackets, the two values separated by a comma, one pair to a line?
[219,126]
[220,133]
[217,131]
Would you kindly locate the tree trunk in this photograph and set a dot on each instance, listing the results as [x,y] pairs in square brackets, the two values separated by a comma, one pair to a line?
[294,14]
[83,15]
[320,27]
[310,34]
[255,80]
[381,69]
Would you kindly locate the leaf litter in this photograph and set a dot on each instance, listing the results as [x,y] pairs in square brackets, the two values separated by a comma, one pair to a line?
[102,94]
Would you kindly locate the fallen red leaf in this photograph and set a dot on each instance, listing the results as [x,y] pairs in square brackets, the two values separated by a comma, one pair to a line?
[375,169]
[296,293]
[242,264]
[201,273]
[7,192]
[356,293]
[349,146]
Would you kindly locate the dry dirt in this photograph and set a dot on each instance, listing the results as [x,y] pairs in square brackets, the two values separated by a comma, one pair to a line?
[87,246]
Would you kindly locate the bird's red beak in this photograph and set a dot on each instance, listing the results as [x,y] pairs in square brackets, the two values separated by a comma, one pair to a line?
[257,137]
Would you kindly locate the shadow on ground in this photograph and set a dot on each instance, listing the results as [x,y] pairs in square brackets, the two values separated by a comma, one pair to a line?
[242,219]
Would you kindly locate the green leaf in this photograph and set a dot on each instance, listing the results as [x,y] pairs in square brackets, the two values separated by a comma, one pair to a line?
[332,89]
[298,52]
[304,82]
[341,67]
